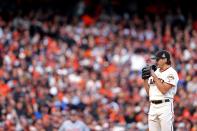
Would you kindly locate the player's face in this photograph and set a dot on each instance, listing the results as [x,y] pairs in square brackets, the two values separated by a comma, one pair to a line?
[160,62]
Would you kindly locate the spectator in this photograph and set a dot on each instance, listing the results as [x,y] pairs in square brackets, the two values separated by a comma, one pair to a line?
[73,123]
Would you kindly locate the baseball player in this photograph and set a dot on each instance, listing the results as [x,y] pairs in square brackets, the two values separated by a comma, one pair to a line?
[74,124]
[161,86]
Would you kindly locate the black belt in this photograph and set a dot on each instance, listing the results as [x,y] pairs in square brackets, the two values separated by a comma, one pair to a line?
[160,101]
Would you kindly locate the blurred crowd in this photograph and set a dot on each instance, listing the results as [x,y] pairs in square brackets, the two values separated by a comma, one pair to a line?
[51,66]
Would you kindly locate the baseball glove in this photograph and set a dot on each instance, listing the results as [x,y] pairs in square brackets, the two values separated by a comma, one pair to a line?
[146,72]
[154,67]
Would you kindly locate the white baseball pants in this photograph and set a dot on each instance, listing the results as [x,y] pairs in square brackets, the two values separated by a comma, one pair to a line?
[161,117]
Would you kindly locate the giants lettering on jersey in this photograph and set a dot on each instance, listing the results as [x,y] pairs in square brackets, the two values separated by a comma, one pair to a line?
[153,82]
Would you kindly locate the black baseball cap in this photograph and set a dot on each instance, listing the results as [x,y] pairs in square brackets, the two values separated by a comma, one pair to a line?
[162,54]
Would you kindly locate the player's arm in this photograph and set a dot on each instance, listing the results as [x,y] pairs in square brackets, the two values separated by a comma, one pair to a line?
[161,85]
[146,73]
[146,86]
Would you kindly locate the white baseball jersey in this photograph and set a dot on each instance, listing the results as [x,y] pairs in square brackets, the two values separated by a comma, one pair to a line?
[73,126]
[169,76]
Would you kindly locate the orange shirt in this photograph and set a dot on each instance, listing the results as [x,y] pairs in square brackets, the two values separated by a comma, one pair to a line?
[4,89]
